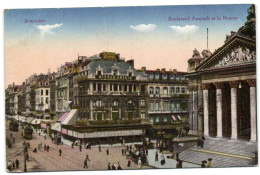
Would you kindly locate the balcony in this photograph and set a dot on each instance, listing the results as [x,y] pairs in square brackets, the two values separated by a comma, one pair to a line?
[167,111]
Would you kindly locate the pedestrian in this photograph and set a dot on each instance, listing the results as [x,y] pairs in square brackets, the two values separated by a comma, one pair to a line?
[22,133]
[118,166]
[177,156]
[108,166]
[48,148]
[39,133]
[129,162]
[127,147]
[35,150]
[202,139]
[85,164]
[9,165]
[17,163]
[139,162]
[13,139]
[107,151]
[11,135]
[87,158]
[146,152]
[52,139]
[113,166]
[72,145]
[209,162]
[177,163]
[45,137]
[60,151]
[203,164]
[156,156]
[99,147]
[180,163]
[45,147]
[130,147]
[13,165]
[80,148]
[123,151]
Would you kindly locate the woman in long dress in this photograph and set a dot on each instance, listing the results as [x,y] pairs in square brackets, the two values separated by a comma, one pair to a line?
[139,162]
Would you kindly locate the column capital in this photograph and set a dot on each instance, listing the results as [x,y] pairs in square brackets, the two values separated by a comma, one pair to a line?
[251,83]
[219,85]
[205,86]
[233,84]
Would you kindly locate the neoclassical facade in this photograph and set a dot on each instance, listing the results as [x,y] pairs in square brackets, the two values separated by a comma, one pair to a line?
[222,101]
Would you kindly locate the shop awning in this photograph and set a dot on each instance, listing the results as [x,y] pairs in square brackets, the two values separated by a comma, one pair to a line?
[71,119]
[179,117]
[64,117]
[56,127]
[29,119]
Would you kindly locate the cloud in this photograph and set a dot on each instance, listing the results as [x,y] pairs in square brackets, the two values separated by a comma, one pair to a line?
[144,27]
[185,29]
[47,29]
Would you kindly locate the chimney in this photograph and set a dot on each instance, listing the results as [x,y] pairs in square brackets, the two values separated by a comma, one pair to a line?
[163,70]
[143,68]
[157,69]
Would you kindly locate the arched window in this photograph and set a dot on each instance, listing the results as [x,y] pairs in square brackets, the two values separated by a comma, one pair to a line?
[151,90]
[165,90]
[98,103]
[157,90]
[183,90]
[172,90]
[177,90]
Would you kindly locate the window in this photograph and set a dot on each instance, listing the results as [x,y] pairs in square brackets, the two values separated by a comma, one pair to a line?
[165,76]
[178,106]
[177,90]
[98,103]
[125,88]
[120,87]
[130,88]
[173,106]
[99,72]
[134,88]
[130,74]
[142,103]
[47,92]
[41,100]
[157,90]
[47,100]
[157,120]
[151,120]
[115,72]
[41,92]
[151,106]
[142,115]
[165,119]
[115,103]
[94,86]
[157,76]
[172,90]
[115,87]
[172,76]
[166,106]
[151,76]
[165,90]
[183,90]
[104,87]
[157,106]
[183,77]
[151,90]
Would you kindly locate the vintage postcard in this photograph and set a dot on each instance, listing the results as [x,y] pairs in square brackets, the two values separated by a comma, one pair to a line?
[120,88]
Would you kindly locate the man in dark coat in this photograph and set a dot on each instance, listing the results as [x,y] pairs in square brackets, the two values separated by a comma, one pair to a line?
[114,167]
[48,148]
[60,151]
[17,163]
[85,163]
[107,151]
[108,166]
[123,151]
[80,148]
[156,156]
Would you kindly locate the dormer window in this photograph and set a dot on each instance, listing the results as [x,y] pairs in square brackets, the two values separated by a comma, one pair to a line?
[130,74]
[115,72]
[99,72]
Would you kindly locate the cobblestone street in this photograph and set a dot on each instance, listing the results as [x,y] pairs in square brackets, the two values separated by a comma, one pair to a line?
[71,159]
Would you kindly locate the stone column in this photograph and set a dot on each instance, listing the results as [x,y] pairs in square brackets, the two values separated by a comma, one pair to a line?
[205,88]
[91,109]
[91,88]
[195,109]
[219,87]
[190,108]
[233,86]
[252,84]
[119,112]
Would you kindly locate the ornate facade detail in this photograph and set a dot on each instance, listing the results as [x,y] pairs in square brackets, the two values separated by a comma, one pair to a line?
[219,85]
[233,84]
[206,54]
[238,55]
[205,86]
[196,54]
[252,83]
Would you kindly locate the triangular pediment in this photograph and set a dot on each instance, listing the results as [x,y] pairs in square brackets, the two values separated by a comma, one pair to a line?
[238,51]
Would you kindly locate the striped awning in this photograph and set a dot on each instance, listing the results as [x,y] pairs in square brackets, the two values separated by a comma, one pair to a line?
[64,116]
[173,118]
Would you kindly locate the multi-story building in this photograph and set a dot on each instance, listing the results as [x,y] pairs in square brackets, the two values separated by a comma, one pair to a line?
[167,102]
[13,99]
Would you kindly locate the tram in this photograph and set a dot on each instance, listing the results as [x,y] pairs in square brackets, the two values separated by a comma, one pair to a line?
[13,125]
[27,132]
